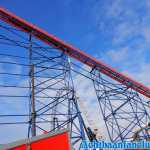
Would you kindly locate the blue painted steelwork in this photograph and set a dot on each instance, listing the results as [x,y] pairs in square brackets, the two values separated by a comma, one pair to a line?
[124,110]
[51,103]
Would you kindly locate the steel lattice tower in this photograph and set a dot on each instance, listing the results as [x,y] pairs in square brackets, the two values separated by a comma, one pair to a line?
[123,110]
[51,80]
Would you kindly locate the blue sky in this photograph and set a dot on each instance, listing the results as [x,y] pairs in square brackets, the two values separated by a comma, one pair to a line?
[116,31]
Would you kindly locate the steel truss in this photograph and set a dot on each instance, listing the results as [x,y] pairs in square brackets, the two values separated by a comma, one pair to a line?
[49,86]
[124,111]
[47,91]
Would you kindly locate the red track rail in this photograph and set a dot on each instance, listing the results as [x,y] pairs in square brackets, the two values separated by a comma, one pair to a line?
[72,51]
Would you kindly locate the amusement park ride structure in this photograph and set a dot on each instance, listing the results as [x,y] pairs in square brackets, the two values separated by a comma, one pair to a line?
[53,104]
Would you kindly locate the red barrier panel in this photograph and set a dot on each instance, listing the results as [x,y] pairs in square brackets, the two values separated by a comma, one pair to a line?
[56,141]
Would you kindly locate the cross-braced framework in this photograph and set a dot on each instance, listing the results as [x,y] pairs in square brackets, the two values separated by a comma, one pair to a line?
[37,91]
[41,80]
[124,111]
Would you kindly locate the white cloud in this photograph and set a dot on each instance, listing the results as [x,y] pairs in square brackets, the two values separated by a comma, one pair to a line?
[121,20]
[115,9]
[146,34]
[118,55]
[124,31]
[142,75]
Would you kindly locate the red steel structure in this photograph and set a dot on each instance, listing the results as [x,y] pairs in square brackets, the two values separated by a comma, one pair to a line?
[72,51]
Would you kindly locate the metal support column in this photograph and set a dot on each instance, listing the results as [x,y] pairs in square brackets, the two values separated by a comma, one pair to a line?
[32,90]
